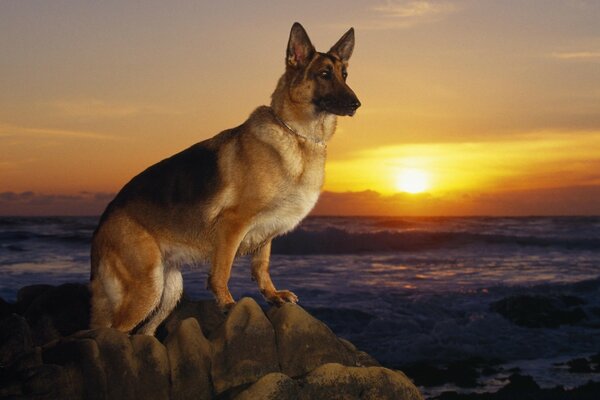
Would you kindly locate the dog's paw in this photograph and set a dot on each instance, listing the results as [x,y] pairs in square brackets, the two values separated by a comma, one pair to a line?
[280,297]
[225,307]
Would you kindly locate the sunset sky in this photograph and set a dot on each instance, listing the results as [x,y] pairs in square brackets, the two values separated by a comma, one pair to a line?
[470,107]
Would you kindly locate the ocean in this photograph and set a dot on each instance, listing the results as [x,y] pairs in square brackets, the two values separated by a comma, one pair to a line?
[405,290]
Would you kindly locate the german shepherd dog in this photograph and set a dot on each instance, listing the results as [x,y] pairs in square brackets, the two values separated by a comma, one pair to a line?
[225,196]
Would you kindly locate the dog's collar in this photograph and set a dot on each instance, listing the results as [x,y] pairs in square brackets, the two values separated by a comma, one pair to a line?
[292,130]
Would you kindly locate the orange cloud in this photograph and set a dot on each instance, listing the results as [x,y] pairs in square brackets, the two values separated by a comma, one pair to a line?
[38,204]
[578,200]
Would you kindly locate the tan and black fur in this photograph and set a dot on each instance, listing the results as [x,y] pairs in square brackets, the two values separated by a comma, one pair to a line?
[225,196]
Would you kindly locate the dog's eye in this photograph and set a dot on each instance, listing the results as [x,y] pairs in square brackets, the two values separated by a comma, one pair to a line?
[344,74]
[325,74]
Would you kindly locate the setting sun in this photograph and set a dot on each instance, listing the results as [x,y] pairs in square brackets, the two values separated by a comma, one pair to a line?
[412,181]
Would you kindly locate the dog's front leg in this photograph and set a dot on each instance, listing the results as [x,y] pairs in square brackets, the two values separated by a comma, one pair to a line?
[227,241]
[260,273]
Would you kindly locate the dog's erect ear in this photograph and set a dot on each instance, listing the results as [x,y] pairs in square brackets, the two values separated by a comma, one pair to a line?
[343,48]
[300,50]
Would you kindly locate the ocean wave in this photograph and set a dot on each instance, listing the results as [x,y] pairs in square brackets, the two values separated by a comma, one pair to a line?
[339,241]
[326,235]
[67,237]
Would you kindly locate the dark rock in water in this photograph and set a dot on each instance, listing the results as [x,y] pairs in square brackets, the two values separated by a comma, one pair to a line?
[595,311]
[524,387]
[518,386]
[571,301]
[425,374]
[595,358]
[204,355]
[464,373]
[579,366]
[541,311]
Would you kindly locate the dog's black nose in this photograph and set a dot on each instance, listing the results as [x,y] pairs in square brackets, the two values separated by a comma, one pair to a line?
[355,104]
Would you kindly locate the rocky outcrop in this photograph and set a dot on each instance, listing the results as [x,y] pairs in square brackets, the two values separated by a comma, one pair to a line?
[541,311]
[47,353]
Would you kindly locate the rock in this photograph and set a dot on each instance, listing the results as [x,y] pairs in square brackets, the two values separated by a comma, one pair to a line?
[304,343]
[537,311]
[28,360]
[6,308]
[273,386]
[153,370]
[244,347]
[524,387]
[117,360]
[571,301]
[15,338]
[45,382]
[519,387]
[463,373]
[46,354]
[426,375]
[335,381]
[27,294]
[80,357]
[56,311]
[189,354]
[105,363]
[206,311]
[579,366]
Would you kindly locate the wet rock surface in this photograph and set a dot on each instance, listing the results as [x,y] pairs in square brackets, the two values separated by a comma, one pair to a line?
[46,352]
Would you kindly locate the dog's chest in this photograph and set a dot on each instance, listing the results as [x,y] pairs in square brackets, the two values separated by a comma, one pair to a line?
[285,212]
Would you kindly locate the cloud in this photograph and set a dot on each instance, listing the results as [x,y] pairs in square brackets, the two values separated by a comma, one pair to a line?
[413,9]
[400,14]
[29,203]
[99,109]
[7,130]
[577,55]
[575,200]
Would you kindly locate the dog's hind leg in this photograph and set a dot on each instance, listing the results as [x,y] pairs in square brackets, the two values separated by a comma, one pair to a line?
[101,305]
[260,273]
[173,287]
[127,275]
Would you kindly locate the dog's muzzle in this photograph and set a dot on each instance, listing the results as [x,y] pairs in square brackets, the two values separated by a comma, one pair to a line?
[335,106]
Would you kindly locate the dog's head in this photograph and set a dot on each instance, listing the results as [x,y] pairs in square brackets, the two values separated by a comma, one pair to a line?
[318,78]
